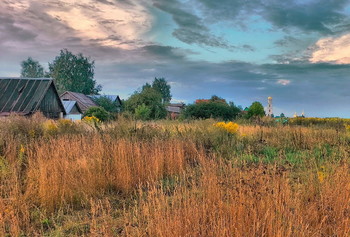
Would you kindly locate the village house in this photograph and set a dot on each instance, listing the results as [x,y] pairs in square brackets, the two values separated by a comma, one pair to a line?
[174,110]
[25,96]
[84,102]
[73,111]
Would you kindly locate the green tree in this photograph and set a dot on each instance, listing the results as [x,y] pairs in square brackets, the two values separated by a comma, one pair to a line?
[31,69]
[213,108]
[256,110]
[216,98]
[74,73]
[106,103]
[98,112]
[162,86]
[150,98]
[145,86]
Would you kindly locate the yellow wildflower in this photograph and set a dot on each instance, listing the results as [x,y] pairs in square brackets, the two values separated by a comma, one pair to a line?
[347,127]
[230,127]
[22,149]
[91,119]
[21,153]
[31,133]
[321,174]
[50,127]
[65,122]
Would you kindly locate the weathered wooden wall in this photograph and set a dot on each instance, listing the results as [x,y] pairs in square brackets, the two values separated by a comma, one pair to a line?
[50,105]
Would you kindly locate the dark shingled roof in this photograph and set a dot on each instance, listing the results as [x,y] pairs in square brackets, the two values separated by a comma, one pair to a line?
[23,95]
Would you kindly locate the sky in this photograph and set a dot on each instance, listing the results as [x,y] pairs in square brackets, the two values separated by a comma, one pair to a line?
[296,51]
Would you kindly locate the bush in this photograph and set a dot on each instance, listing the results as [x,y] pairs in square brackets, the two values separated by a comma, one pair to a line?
[106,103]
[98,112]
[211,109]
[143,112]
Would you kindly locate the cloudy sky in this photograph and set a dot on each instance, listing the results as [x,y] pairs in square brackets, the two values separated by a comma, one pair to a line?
[297,51]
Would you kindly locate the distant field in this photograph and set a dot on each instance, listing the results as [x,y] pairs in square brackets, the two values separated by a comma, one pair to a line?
[171,178]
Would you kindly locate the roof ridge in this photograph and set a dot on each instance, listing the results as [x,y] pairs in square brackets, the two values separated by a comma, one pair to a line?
[25,78]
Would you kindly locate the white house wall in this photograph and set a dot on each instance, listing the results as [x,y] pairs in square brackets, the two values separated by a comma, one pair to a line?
[73,116]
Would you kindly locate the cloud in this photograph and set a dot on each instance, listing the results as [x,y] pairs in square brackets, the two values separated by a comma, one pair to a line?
[287,41]
[315,16]
[332,49]
[105,22]
[191,29]
[13,32]
[164,54]
[283,82]
[324,17]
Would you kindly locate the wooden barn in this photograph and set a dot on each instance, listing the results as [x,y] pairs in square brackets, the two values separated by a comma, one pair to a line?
[84,102]
[25,96]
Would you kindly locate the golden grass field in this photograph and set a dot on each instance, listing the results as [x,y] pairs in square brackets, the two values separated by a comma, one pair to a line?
[171,178]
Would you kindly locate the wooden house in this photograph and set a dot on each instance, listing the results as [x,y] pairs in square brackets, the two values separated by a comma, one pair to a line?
[174,110]
[25,96]
[73,111]
[84,102]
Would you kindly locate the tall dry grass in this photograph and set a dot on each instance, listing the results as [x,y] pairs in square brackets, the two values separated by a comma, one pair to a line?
[66,172]
[172,179]
[250,202]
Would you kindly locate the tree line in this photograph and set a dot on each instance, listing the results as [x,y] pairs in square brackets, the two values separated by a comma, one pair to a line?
[75,72]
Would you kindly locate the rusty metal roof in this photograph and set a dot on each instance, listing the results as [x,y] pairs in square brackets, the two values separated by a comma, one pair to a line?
[22,95]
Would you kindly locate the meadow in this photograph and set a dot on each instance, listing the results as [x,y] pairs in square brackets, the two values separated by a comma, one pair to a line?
[173,178]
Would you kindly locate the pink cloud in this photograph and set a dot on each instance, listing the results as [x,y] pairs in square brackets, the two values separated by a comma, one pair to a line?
[283,82]
[332,50]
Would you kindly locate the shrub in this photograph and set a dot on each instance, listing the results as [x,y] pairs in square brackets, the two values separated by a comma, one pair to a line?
[230,127]
[106,103]
[95,122]
[98,112]
[143,112]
